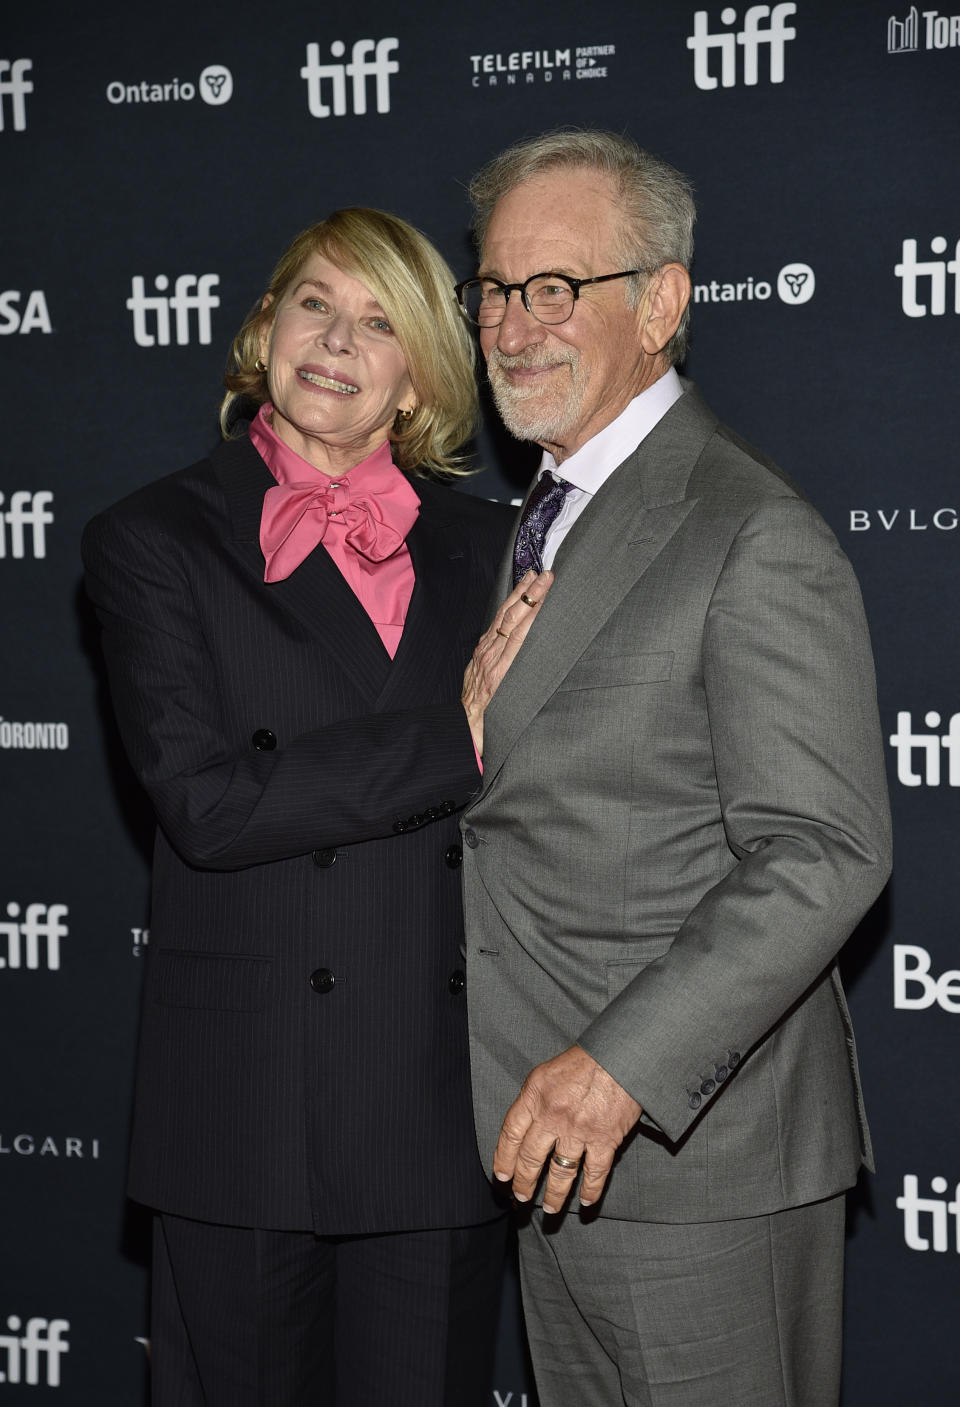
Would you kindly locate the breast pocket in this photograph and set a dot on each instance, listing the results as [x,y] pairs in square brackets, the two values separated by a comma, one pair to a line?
[609,671]
[209,981]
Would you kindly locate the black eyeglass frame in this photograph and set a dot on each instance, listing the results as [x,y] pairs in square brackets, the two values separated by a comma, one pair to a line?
[574,284]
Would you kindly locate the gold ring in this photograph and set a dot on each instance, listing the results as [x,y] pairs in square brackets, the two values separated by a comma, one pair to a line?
[504,633]
[527,600]
[563,1162]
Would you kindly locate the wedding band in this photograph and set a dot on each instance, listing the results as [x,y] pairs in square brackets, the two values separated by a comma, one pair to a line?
[527,600]
[504,633]
[563,1162]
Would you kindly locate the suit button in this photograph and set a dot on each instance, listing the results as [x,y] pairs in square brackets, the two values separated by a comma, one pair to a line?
[695,1101]
[707,1087]
[734,1059]
[323,859]
[322,980]
[456,982]
[471,837]
[263,740]
[400,826]
[432,813]
[721,1073]
[454,856]
[447,808]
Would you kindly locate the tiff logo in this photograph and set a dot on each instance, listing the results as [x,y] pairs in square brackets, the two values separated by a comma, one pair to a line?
[16,88]
[911,968]
[912,1206]
[910,269]
[750,38]
[181,302]
[43,1338]
[27,510]
[359,69]
[906,743]
[41,921]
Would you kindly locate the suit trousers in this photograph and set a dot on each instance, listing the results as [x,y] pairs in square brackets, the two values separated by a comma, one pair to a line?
[644,1314]
[252,1318]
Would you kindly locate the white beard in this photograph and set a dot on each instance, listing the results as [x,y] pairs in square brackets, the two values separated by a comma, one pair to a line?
[542,413]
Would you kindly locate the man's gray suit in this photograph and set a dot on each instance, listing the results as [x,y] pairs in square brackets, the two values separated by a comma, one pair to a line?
[683,816]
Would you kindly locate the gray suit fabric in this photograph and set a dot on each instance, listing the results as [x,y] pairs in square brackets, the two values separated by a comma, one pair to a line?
[683,816]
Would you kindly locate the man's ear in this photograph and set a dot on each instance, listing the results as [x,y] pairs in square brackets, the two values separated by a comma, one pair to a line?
[667,295]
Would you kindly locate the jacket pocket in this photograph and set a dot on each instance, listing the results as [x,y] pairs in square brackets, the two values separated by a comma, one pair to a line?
[608,671]
[209,981]
[644,951]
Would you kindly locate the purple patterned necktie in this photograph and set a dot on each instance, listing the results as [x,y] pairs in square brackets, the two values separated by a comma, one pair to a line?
[543,505]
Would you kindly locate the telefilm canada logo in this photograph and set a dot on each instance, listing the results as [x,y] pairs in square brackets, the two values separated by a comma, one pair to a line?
[214,87]
[795,284]
[920,754]
[514,68]
[24,523]
[923,282]
[328,94]
[937,31]
[192,293]
[32,1351]
[926,1219]
[14,87]
[764,28]
[30,936]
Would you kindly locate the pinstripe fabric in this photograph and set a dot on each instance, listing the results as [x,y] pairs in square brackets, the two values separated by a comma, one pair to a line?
[261,1101]
[284,1318]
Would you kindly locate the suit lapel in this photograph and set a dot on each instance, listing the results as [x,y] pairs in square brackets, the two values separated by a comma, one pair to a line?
[611,545]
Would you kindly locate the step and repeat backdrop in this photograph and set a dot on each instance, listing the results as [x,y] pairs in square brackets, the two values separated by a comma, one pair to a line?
[154,164]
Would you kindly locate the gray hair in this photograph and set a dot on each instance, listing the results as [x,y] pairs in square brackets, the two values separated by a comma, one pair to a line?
[656,200]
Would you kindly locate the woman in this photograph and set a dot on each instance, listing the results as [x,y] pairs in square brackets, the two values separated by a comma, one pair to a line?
[286,626]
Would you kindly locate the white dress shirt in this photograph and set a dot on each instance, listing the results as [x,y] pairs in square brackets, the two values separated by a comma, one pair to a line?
[593,463]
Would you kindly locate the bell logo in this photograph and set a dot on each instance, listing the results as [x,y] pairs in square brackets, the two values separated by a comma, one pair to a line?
[15,87]
[359,69]
[181,302]
[913,987]
[749,39]
[42,1338]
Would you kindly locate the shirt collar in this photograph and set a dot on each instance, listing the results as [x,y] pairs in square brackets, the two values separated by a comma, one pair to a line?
[593,463]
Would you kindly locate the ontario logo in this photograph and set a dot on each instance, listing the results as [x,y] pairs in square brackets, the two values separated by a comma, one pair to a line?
[795,283]
[214,86]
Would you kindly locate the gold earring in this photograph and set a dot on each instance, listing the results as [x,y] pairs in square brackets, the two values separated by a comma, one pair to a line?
[260,364]
[405,414]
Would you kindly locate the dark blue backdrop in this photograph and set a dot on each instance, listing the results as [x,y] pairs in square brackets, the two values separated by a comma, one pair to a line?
[153,167]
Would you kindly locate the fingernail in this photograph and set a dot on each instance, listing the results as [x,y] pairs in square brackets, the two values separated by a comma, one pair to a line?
[552,1210]
[501,1176]
[586,1202]
[521,1196]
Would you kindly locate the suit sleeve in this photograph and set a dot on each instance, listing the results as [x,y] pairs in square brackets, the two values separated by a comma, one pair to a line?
[791,704]
[349,781]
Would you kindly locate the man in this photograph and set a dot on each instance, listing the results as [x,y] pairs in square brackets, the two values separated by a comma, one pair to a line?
[683,816]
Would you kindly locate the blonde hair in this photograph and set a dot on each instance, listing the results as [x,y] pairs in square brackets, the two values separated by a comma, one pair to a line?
[413,284]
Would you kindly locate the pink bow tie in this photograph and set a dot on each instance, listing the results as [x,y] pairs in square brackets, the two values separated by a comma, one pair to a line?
[297,516]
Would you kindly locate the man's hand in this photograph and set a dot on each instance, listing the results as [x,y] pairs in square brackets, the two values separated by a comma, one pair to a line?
[571,1106]
[498,647]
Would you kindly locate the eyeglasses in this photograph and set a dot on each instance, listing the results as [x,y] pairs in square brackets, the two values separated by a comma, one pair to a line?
[550,298]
